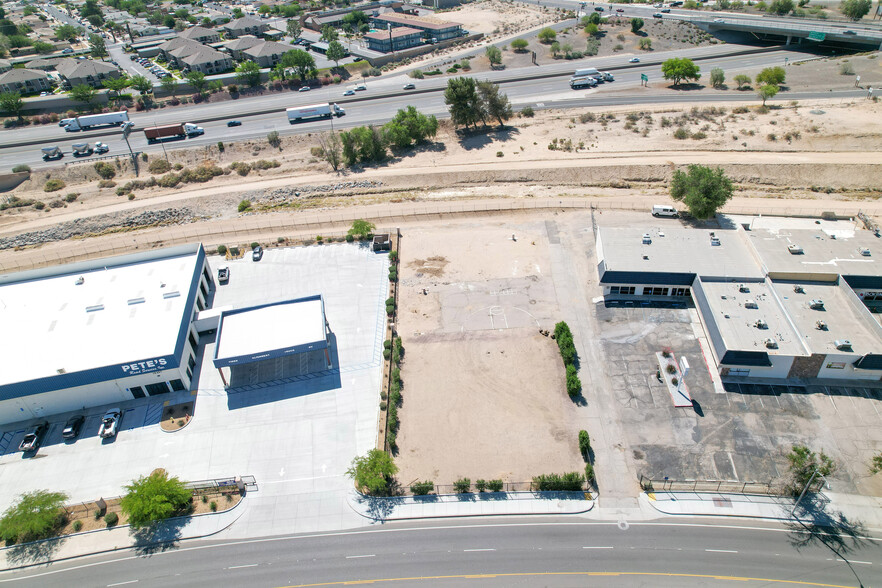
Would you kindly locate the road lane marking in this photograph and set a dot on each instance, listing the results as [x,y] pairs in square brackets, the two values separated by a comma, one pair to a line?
[360,556]
[470,550]
[122,583]
[589,574]
[866,563]
[593,547]
[243,566]
[720,551]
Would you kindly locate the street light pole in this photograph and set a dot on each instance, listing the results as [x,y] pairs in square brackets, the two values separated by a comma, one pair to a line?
[807,486]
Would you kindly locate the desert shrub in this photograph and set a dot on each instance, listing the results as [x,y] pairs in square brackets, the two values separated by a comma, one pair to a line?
[21,168]
[39,205]
[53,185]
[77,526]
[681,133]
[422,488]
[480,485]
[111,519]
[564,338]
[71,197]
[201,174]
[527,112]
[169,180]
[574,385]
[699,135]
[213,506]
[569,481]
[589,473]
[222,249]
[265,164]
[106,183]
[105,170]
[846,68]
[244,205]
[159,166]
[462,485]
[273,139]
[243,169]
[56,204]
[494,485]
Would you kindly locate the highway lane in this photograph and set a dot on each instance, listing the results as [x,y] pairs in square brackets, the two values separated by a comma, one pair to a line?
[380,102]
[551,552]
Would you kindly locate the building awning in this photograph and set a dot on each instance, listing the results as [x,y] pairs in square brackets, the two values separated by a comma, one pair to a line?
[269,331]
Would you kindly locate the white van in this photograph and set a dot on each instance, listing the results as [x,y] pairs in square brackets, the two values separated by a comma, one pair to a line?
[664,210]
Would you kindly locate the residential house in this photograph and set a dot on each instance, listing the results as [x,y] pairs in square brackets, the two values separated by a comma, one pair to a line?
[24,81]
[74,72]
[208,61]
[244,26]
[433,28]
[268,53]
[178,47]
[396,39]
[201,34]
[237,46]
[45,64]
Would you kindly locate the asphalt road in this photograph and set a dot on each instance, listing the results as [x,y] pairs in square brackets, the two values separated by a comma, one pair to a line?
[534,552]
[545,87]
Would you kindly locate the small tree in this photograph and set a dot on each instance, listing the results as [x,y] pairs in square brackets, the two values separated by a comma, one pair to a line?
[83,93]
[11,103]
[584,444]
[273,139]
[96,44]
[519,45]
[555,47]
[248,73]
[329,34]
[116,85]
[154,498]
[742,80]
[645,44]
[373,472]
[855,9]
[767,91]
[330,146]
[680,68]
[717,77]
[781,7]
[142,84]
[336,52]
[360,228]
[803,464]
[592,29]
[702,189]
[547,35]
[636,25]
[170,85]
[495,103]
[35,515]
[196,79]
[463,102]
[494,55]
[771,75]
[293,27]
[67,32]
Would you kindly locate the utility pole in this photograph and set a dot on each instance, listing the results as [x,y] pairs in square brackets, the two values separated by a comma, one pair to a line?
[161,142]
[127,128]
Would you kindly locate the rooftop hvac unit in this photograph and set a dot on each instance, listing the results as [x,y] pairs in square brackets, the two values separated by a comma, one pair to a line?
[821,325]
[795,249]
[865,252]
[647,239]
[761,324]
[80,281]
[750,304]
[843,344]
[799,289]
[817,304]
[743,288]
[771,343]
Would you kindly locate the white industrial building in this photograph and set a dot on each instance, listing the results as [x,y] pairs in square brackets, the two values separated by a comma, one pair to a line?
[778,298]
[100,332]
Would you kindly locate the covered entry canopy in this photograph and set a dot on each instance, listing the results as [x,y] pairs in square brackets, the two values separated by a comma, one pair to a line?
[270,331]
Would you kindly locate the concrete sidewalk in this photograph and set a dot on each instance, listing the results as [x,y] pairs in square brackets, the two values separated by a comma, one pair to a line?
[400,508]
[143,541]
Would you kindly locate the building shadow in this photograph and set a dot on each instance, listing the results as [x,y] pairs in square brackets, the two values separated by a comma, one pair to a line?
[255,389]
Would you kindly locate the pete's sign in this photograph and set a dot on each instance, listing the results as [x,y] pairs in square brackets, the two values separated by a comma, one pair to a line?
[143,367]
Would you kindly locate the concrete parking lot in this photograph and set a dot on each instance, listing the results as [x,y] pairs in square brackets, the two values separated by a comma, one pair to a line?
[297,435]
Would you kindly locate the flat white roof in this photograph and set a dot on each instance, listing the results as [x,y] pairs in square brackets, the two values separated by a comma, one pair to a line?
[118,314]
[271,328]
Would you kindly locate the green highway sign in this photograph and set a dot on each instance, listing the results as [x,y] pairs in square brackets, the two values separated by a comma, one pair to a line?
[644,78]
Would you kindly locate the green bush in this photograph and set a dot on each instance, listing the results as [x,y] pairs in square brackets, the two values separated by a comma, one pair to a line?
[244,205]
[574,384]
[422,488]
[222,249]
[350,238]
[77,526]
[564,338]
[527,112]
[584,443]
[393,256]
[213,506]
[39,205]
[111,519]
[105,170]
[495,485]
[154,498]
[21,168]
[35,515]
[53,185]
[589,473]
[169,180]
[106,183]
[255,245]
[569,481]
[480,485]
[234,251]
[220,146]
[159,166]
[462,486]
[681,134]
[387,353]
[387,344]
[265,164]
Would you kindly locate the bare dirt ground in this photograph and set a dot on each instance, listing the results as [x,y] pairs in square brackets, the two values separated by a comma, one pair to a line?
[483,391]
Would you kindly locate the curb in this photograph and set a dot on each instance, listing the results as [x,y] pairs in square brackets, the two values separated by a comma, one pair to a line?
[114,549]
[591,503]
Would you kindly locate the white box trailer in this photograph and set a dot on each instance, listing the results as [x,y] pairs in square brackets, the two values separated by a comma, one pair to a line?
[312,111]
[81,123]
[588,71]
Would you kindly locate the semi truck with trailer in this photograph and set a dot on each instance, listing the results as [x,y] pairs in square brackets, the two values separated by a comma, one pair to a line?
[82,123]
[51,153]
[154,134]
[313,111]
[81,149]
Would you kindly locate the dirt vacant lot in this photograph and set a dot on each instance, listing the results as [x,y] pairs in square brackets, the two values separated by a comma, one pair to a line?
[483,390]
